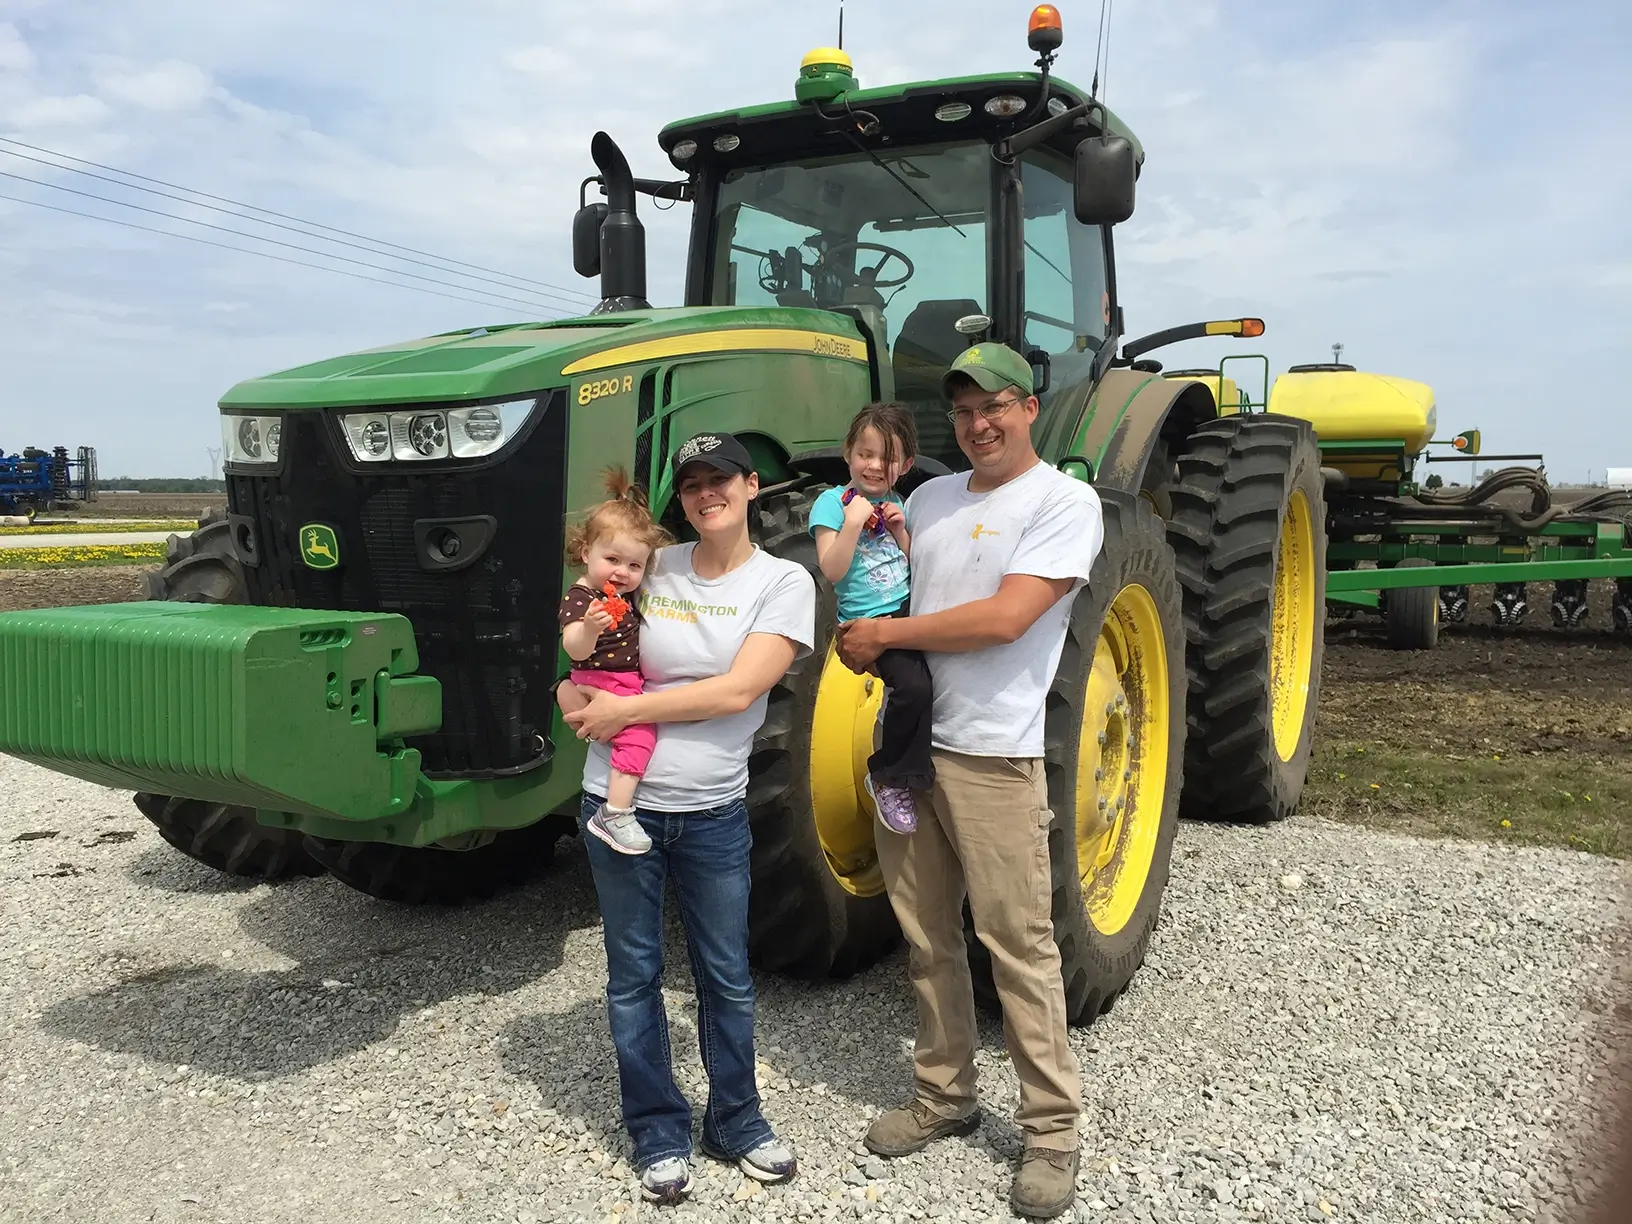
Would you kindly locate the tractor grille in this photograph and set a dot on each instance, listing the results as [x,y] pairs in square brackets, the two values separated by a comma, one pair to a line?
[487,631]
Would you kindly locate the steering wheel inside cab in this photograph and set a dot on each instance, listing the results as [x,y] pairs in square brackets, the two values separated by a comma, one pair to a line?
[832,282]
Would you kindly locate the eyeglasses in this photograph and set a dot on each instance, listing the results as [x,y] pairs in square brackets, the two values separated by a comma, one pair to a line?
[989,411]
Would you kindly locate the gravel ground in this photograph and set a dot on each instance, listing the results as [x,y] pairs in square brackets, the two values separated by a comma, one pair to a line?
[1333,1024]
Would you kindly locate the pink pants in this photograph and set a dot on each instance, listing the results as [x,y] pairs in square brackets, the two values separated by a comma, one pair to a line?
[631,747]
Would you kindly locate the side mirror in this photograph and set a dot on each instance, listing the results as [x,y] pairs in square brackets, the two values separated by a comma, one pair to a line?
[586,239]
[1104,182]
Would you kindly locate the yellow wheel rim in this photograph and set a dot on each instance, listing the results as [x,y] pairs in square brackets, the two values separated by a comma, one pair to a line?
[841,740]
[1122,760]
[1294,627]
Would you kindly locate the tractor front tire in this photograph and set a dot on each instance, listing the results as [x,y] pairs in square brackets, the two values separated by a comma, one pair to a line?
[1249,533]
[430,875]
[227,838]
[1114,732]
[818,907]
[203,568]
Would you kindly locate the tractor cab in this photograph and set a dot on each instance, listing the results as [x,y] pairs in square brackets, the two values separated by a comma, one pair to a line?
[934,215]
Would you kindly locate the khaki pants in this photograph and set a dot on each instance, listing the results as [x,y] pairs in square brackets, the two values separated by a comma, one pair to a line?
[983,832]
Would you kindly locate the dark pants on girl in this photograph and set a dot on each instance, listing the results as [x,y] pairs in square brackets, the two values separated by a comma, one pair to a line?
[902,758]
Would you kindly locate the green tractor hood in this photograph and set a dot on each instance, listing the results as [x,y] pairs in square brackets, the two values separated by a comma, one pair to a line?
[499,362]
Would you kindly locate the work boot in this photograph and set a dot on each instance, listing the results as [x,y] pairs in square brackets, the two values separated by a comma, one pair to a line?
[913,1127]
[1046,1183]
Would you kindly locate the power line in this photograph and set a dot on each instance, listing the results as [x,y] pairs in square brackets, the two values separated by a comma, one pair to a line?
[227,246]
[378,242]
[276,225]
[225,229]
[271,212]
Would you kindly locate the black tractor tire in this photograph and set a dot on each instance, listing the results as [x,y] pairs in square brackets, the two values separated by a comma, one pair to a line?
[801,920]
[227,838]
[1097,966]
[203,568]
[1411,614]
[430,875]
[1239,479]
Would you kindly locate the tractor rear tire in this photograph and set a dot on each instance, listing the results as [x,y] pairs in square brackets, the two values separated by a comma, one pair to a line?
[203,568]
[1412,613]
[1121,676]
[805,811]
[429,875]
[1249,532]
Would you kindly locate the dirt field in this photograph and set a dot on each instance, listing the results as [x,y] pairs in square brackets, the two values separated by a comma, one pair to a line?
[150,505]
[1532,728]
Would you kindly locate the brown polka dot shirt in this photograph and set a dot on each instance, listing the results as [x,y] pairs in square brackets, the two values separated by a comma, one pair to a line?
[616,650]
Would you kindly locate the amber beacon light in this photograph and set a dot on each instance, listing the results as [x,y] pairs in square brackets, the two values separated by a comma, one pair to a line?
[1045,33]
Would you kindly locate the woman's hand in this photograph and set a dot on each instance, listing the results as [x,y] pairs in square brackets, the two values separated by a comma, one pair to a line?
[601,719]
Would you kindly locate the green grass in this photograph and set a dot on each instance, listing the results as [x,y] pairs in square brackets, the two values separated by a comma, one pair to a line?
[78,556]
[95,526]
[1526,799]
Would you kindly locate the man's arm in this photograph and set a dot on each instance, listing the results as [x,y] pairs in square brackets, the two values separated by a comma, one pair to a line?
[994,621]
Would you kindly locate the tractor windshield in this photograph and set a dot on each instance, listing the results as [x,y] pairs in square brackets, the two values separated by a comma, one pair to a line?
[900,235]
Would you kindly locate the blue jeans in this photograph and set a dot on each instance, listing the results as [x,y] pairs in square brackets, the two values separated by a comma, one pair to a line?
[705,853]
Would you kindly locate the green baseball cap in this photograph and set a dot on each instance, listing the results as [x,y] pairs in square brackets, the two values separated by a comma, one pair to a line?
[992,366]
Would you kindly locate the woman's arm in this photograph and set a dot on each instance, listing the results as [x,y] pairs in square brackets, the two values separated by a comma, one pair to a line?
[760,662]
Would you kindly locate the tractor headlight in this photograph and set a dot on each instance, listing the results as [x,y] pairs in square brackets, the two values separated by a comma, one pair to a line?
[434,433]
[475,431]
[419,435]
[251,440]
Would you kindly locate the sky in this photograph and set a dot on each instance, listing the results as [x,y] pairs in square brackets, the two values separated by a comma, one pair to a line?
[1441,187]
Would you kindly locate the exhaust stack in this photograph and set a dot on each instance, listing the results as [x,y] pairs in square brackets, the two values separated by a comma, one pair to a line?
[623,238]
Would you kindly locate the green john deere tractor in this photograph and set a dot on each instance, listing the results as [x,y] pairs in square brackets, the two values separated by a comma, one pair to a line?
[350,670]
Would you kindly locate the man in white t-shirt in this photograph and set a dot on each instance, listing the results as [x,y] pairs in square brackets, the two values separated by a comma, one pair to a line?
[997,555]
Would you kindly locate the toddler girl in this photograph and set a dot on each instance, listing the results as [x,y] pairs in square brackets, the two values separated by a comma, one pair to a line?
[862,545]
[600,631]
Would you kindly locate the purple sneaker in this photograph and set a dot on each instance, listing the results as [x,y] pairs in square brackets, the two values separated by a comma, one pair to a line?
[896,807]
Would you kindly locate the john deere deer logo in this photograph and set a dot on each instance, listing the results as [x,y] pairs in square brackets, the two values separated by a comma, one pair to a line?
[318,547]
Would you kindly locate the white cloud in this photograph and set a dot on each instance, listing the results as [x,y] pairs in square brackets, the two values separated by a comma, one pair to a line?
[15,55]
[79,110]
[170,86]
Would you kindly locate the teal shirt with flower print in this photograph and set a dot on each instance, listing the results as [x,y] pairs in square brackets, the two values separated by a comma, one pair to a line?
[877,582]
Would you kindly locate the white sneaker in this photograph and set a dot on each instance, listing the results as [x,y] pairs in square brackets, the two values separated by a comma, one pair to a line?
[620,829]
[667,1181]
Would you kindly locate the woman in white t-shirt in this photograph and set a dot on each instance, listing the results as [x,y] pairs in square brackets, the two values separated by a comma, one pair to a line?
[722,621]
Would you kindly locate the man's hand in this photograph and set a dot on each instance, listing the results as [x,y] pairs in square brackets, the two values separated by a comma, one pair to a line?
[860,644]
[601,719]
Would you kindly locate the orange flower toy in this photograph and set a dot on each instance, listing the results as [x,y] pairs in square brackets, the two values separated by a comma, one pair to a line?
[617,607]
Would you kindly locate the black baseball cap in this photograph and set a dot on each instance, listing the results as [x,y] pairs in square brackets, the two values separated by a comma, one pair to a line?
[720,451]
